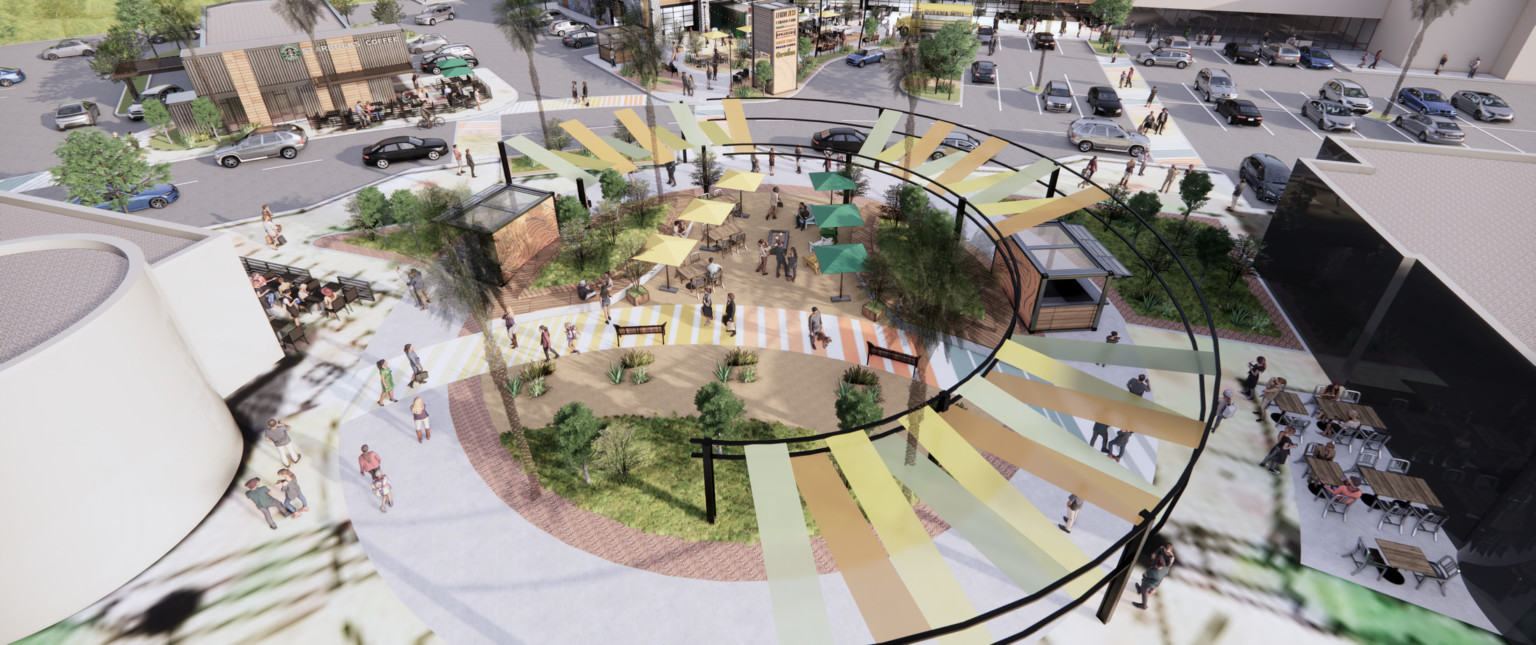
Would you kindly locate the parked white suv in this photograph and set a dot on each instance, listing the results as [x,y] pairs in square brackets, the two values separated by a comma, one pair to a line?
[1347,93]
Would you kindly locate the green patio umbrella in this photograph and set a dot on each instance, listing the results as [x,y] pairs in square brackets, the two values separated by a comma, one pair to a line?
[830,181]
[455,72]
[836,215]
[452,62]
[840,259]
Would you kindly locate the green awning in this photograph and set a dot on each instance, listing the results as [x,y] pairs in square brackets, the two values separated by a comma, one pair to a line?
[455,72]
[837,215]
[840,258]
[831,181]
[449,63]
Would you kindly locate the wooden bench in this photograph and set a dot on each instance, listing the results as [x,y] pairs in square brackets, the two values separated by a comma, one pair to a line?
[361,288]
[876,351]
[634,330]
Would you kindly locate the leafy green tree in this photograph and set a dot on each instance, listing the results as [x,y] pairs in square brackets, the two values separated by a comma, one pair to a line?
[518,21]
[405,208]
[858,406]
[871,27]
[576,235]
[140,16]
[207,115]
[1246,256]
[805,46]
[855,173]
[720,410]
[96,168]
[924,273]
[575,430]
[621,132]
[949,52]
[121,45]
[1111,13]
[1212,246]
[346,8]
[618,451]
[556,138]
[568,208]
[155,113]
[706,170]
[387,12]
[613,185]
[369,210]
[303,15]
[1425,12]
[764,73]
[177,18]
[1195,191]
[903,199]
[1147,204]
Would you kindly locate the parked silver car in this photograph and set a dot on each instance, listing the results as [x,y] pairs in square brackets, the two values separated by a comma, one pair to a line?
[434,13]
[427,43]
[1173,57]
[70,47]
[158,92]
[1483,106]
[1281,54]
[1088,133]
[1328,115]
[1431,129]
[1216,84]
[1057,96]
[268,141]
[1349,93]
[76,113]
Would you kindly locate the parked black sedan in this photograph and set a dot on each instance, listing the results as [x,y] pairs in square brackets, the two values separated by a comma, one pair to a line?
[838,140]
[1239,111]
[394,149]
[1044,40]
[983,71]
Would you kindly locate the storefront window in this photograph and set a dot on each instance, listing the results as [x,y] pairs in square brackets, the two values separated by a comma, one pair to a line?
[1321,31]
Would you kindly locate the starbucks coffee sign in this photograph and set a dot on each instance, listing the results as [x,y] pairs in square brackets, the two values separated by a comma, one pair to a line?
[291,52]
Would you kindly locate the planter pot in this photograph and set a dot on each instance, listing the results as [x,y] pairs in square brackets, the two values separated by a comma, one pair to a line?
[637,300]
[872,314]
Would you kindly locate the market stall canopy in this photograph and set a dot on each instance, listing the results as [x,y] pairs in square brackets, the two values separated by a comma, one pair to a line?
[741,180]
[669,250]
[837,215]
[707,211]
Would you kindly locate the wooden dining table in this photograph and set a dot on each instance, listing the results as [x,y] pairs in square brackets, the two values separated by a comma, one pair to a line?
[691,272]
[722,232]
[1405,556]
[1326,471]
[1340,410]
[1399,486]
[1289,403]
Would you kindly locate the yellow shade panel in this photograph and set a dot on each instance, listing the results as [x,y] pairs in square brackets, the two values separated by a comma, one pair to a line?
[1033,212]
[1176,428]
[688,123]
[1172,359]
[670,140]
[897,150]
[736,121]
[972,160]
[978,183]
[583,161]
[636,126]
[1064,375]
[925,146]
[715,133]
[590,141]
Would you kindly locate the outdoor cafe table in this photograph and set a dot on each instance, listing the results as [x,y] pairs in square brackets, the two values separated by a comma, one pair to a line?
[691,272]
[722,232]
[1339,410]
[1406,557]
[1290,404]
[1403,487]
[1326,470]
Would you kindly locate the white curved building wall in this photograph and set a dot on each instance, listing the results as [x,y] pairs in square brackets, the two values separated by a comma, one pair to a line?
[116,447]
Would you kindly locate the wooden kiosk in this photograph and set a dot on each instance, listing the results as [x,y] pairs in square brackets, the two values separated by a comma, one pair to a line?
[1065,274]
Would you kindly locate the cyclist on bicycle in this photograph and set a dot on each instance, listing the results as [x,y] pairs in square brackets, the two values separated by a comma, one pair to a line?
[427,113]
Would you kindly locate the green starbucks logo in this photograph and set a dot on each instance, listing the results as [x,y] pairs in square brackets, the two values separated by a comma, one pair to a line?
[289,53]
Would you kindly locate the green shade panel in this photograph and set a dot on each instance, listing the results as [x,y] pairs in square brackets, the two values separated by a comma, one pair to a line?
[799,611]
[831,181]
[837,215]
[840,258]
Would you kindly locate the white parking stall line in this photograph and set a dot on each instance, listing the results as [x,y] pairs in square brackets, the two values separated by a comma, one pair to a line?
[1393,127]
[1223,58]
[1356,131]
[1304,125]
[998,86]
[1484,131]
[186,182]
[1205,109]
[295,164]
[1266,129]
[1037,131]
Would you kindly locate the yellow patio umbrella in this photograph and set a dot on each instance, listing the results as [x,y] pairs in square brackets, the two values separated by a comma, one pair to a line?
[668,250]
[707,211]
[830,14]
[714,34]
[741,180]
[746,30]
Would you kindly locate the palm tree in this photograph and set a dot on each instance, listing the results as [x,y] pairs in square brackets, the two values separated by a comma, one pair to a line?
[908,68]
[303,15]
[460,293]
[1426,12]
[518,21]
[642,40]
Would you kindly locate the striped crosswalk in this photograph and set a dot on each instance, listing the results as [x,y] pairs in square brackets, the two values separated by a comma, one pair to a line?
[592,102]
[24,183]
[757,327]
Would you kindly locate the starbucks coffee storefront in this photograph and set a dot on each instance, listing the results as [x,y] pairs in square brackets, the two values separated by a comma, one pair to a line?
[251,64]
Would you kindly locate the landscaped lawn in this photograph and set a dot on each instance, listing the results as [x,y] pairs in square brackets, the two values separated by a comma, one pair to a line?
[126,99]
[425,242]
[565,269]
[667,495]
[1234,307]
[929,90]
[56,19]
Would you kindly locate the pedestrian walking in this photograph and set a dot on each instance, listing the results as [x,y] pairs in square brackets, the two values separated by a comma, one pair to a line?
[707,306]
[1364,56]
[510,322]
[1117,447]
[418,289]
[1472,72]
[779,259]
[729,319]
[571,336]
[1130,76]
[1376,61]
[361,113]
[382,490]
[1237,192]
[1264,40]
[1141,162]
[1139,386]
[797,159]
[1148,123]
[813,324]
[1088,170]
[1280,452]
[367,461]
[584,101]
[605,295]
[575,93]
[277,433]
[1122,80]
[1225,409]
[458,159]
[1162,120]
[293,496]
[771,155]
[1074,504]
[773,204]
[1151,96]
[418,373]
[1255,370]
[272,229]
[422,419]
[387,382]
[827,163]
[791,262]
[1162,561]
[672,172]
[1115,55]
[1272,390]
[1130,169]
[262,498]
[1100,430]
[755,166]
[469,159]
[1443,60]
[544,341]
[1112,338]
[762,257]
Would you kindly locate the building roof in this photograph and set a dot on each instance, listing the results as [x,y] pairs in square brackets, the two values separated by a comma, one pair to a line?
[1463,213]
[46,291]
[495,207]
[25,216]
[1061,250]
[249,20]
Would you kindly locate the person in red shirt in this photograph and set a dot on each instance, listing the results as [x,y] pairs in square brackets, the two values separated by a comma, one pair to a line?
[1349,490]
[367,461]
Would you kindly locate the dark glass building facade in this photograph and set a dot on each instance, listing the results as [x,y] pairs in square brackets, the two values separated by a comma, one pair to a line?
[1458,397]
